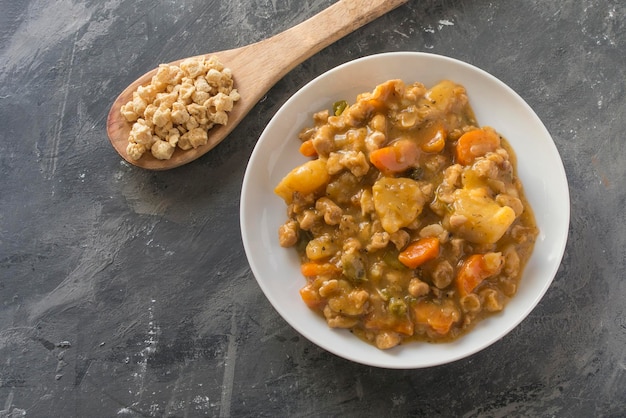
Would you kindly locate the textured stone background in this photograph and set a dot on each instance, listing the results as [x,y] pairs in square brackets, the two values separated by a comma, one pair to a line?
[127,293]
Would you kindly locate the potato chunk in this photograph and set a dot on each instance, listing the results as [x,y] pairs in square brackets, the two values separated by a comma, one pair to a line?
[398,202]
[304,179]
[446,96]
[483,221]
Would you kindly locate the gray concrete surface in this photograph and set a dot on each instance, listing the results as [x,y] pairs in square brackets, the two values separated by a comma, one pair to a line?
[126,293]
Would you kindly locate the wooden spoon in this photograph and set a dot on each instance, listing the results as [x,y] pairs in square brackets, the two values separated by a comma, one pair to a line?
[256,68]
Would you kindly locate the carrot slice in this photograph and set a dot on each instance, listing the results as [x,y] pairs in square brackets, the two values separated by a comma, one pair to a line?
[313,269]
[311,297]
[476,143]
[379,319]
[435,138]
[307,149]
[439,317]
[419,252]
[475,269]
[396,158]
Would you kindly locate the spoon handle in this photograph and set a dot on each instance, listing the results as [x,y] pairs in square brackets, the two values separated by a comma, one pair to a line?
[311,36]
[284,51]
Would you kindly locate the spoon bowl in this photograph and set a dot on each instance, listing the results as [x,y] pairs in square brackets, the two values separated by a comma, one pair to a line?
[256,68]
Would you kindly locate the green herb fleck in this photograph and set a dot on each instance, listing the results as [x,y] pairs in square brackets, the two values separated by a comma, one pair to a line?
[339,107]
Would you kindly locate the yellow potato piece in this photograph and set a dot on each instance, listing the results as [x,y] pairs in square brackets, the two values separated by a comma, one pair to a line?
[485,221]
[305,179]
[445,96]
[397,202]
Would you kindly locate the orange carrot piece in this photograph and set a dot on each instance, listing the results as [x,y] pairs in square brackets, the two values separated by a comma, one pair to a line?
[307,149]
[435,138]
[473,271]
[439,318]
[470,275]
[475,144]
[395,158]
[313,269]
[419,252]
[311,297]
[385,322]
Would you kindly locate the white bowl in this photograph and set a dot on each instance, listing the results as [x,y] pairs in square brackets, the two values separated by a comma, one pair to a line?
[277,269]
